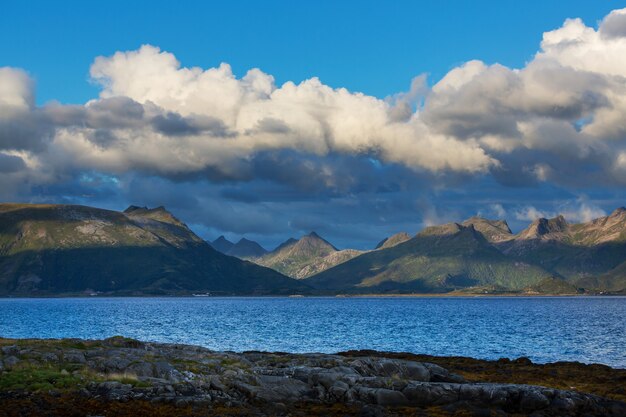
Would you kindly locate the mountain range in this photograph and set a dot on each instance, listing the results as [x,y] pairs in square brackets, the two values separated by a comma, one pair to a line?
[68,249]
[476,255]
[305,257]
[550,255]
[243,249]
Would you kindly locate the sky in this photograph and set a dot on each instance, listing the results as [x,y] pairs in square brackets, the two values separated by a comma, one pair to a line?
[355,119]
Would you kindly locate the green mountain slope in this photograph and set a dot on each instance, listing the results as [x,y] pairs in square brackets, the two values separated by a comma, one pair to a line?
[613,280]
[580,253]
[492,230]
[439,259]
[304,257]
[393,240]
[58,249]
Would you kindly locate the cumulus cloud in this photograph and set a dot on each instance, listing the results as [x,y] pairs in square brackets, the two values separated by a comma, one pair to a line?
[530,213]
[578,212]
[558,120]
[493,210]
[614,24]
[309,117]
[155,115]
[21,127]
[11,163]
[584,213]
[566,108]
[16,91]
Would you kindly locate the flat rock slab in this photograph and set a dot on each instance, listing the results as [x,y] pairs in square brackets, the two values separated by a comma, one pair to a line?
[119,369]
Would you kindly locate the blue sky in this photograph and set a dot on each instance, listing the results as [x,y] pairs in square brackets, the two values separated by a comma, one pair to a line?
[131,106]
[370,46]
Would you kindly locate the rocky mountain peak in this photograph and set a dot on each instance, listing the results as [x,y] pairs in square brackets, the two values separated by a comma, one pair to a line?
[313,241]
[617,219]
[306,256]
[132,208]
[393,240]
[246,248]
[289,242]
[442,230]
[141,251]
[160,214]
[543,228]
[222,244]
[492,230]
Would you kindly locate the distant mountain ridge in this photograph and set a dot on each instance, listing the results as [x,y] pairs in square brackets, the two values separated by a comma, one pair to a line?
[478,254]
[306,256]
[221,244]
[438,259]
[483,254]
[312,254]
[493,230]
[69,249]
[394,240]
[589,254]
[243,249]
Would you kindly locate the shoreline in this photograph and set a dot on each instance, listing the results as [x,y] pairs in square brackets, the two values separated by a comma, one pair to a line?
[124,376]
[296,296]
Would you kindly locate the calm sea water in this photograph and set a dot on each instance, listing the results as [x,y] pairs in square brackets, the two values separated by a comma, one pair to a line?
[585,329]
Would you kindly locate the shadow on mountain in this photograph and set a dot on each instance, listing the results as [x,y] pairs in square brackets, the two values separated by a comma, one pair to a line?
[127,270]
[600,267]
[433,263]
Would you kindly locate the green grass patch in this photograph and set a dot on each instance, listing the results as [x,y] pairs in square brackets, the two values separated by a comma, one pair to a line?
[73,344]
[38,379]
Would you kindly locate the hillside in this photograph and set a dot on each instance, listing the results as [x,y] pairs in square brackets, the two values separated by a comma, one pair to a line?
[221,244]
[587,254]
[311,255]
[246,249]
[394,240]
[243,249]
[305,257]
[550,255]
[612,280]
[493,230]
[65,249]
[438,259]
[611,228]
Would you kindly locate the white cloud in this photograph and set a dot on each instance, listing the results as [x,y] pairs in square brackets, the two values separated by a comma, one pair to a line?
[584,213]
[614,24]
[16,91]
[497,210]
[554,120]
[574,212]
[316,118]
[530,213]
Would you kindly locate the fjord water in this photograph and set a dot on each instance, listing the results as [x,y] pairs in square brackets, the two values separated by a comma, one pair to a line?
[545,329]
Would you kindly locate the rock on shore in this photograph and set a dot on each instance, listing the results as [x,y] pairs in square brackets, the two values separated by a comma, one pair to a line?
[126,371]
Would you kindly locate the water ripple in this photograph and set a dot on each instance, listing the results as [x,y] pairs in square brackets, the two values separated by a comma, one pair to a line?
[585,329]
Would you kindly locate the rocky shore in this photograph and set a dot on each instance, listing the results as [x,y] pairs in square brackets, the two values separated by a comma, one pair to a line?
[119,376]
